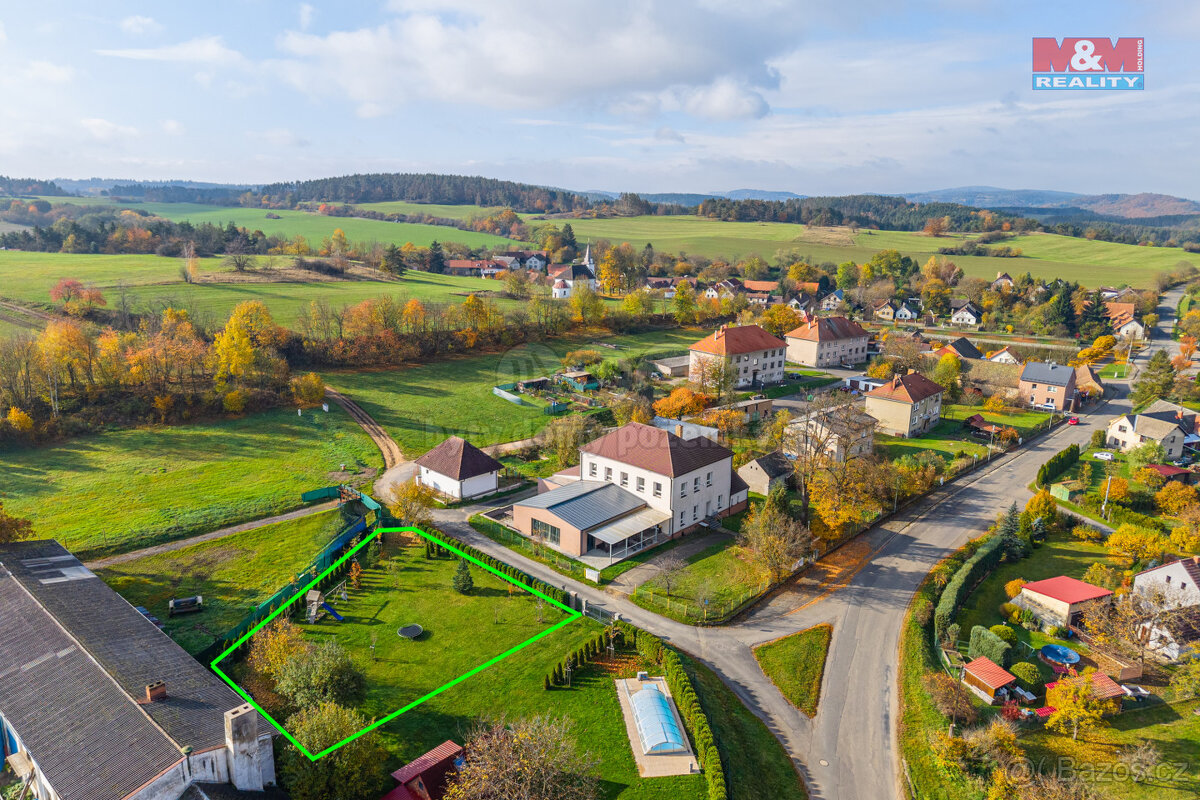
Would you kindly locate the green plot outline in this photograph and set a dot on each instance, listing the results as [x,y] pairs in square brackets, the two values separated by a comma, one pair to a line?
[572,615]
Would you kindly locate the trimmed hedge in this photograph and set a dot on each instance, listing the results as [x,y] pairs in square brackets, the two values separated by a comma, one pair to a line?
[688,703]
[973,570]
[1119,515]
[586,653]
[553,592]
[987,644]
[1057,465]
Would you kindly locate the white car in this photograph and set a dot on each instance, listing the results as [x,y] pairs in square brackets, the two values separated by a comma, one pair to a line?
[1102,456]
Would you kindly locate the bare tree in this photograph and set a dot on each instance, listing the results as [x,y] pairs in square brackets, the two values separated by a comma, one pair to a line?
[533,759]
[236,256]
[670,566]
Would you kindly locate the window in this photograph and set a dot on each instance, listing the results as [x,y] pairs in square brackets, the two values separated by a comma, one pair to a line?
[545,531]
[608,473]
[720,502]
[657,489]
[680,517]
[641,485]
[708,479]
[696,484]
[624,478]
[592,469]
[695,513]
[683,489]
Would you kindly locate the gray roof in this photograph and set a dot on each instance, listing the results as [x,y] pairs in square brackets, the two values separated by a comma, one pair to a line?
[84,656]
[773,464]
[673,361]
[586,504]
[1052,374]
[1161,418]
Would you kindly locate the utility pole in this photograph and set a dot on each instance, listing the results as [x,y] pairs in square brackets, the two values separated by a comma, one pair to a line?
[1104,505]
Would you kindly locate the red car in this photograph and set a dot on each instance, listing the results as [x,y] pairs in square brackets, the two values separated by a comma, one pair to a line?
[1072,420]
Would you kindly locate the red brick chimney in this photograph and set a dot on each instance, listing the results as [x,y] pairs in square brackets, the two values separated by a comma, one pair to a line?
[156,691]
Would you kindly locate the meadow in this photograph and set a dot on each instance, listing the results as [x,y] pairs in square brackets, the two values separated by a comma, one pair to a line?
[153,282]
[233,574]
[433,209]
[122,490]
[419,406]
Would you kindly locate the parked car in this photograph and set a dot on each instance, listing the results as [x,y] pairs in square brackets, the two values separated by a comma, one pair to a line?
[1072,420]
[1103,456]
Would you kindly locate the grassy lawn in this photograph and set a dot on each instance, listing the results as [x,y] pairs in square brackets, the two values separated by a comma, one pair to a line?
[1174,730]
[1115,370]
[440,210]
[422,405]
[796,664]
[949,438]
[122,490]
[720,571]
[756,765]
[233,574]
[462,633]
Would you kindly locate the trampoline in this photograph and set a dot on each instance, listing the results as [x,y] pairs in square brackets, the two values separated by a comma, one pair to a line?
[410,632]
[1058,654]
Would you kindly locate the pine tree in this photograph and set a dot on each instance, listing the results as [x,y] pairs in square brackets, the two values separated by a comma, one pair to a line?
[463,582]
[568,237]
[435,259]
[393,261]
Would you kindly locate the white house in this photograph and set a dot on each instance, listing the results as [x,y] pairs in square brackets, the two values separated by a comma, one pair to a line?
[833,301]
[1004,355]
[1175,584]
[906,313]
[1162,421]
[458,469]
[572,275]
[967,314]
[725,288]
[636,485]
[755,356]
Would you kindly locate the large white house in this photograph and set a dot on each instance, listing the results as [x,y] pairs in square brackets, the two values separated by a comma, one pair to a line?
[1175,584]
[1173,588]
[1164,422]
[633,487]
[754,356]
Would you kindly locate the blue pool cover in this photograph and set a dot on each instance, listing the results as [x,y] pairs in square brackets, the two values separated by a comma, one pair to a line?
[655,723]
[1063,655]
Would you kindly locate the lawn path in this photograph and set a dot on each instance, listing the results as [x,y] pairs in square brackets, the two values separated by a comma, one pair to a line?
[179,544]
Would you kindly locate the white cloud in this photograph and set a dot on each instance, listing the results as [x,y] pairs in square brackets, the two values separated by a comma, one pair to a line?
[172,126]
[138,25]
[105,131]
[306,15]
[280,137]
[49,72]
[202,50]
[628,56]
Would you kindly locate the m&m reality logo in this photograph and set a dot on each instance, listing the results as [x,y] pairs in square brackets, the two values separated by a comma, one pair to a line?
[1093,62]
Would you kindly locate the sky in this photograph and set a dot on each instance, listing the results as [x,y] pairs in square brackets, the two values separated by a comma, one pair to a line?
[621,95]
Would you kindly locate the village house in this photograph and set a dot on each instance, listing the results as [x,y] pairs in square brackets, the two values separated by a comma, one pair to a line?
[1003,282]
[833,301]
[766,472]
[838,433]
[1164,422]
[636,486]
[1176,584]
[755,356]
[459,470]
[1049,385]
[97,703]
[1173,588]
[907,313]
[967,315]
[960,347]
[805,304]
[1121,316]
[1005,355]
[721,289]
[466,267]
[826,342]
[907,405]
[884,310]
[572,275]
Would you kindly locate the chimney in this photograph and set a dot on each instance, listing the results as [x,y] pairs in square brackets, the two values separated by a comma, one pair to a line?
[720,333]
[679,431]
[156,692]
[241,746]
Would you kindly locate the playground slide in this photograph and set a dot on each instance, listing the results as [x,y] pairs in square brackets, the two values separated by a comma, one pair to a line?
[332,612]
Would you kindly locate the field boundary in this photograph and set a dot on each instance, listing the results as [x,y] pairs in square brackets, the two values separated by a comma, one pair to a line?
[572,615]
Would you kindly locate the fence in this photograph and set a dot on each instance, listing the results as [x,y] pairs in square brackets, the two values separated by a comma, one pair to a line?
[323,560]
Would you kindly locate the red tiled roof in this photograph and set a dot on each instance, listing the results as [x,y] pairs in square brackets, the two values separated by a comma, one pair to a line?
[911,388]
[1067,590]
[399,793]
[445,751]
[1167,471]
[827,329]
[656,450]
[1114,310]
[989,673]
[760,286]
[737,340]
[458,459]
[1103,687]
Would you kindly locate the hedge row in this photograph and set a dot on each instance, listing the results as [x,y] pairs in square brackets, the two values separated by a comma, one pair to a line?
[586,653]
[1120,515]
[688,703]
[964,581]
[1057,465]
[987,644]
[553,592]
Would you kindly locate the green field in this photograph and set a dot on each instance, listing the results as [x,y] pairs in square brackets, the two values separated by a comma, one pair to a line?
[123,490]
[422,405]
[433,209]
[153,282]
[718,572]
[796,664]
[234,574]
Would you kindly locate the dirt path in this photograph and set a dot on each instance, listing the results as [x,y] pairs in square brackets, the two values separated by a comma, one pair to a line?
[208,537]
[392,456]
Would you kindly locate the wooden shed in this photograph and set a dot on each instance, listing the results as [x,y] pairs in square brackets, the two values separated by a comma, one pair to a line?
[987,678]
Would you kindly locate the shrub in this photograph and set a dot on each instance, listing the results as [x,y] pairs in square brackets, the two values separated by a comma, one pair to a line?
[982,562]
[985,643]
[1027,675]
[320,674]
[1086,533]
[1057,465]
[463,582]
[308,389]
[234,402]
[1013,587]
[1006,633]
[1007,610]
[952,633]
[923,612]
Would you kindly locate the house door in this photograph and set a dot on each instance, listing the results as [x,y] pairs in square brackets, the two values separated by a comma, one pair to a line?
[707,508]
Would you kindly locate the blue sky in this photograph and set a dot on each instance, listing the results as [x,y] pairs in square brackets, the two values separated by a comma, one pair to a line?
[643,95]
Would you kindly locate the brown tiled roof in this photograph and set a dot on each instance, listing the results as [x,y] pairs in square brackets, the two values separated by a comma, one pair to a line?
[827,329]
[656,450]
[458,459]
[760,286]
[911,388]
[989,673]
[1114,310]
[445,751]
[737,340]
